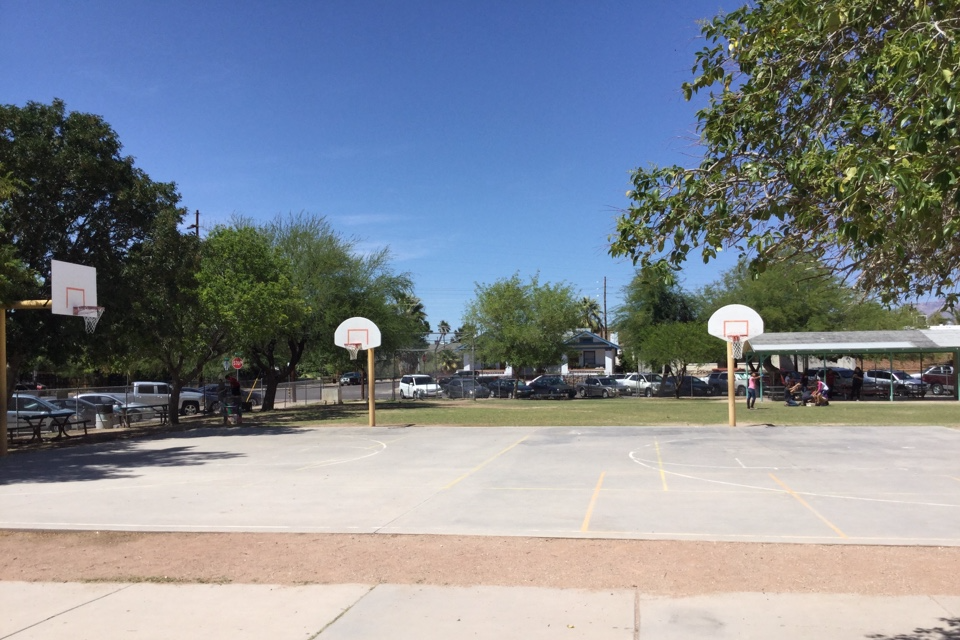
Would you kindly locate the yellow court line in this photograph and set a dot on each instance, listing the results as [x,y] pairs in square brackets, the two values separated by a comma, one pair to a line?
[593,501]
[663,474]
[804,503]
[955,478]
[486,462]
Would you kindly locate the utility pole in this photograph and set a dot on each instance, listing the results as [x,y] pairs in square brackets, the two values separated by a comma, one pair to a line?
[606,332]
[196,224]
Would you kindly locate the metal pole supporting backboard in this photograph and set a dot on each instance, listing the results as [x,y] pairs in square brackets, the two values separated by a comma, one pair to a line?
[25,304]
[372,381]
[731,387]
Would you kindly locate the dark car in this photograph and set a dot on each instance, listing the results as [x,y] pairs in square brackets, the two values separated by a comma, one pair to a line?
[597,387]
[551,387]
[465,388]
[509,388]
[211,397]
[690,386]
[352,378]
[940,378]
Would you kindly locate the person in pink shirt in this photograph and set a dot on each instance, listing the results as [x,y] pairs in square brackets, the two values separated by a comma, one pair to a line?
[752,383]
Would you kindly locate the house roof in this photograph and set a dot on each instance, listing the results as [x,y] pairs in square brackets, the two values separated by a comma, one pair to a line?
[588,339]
[935,339]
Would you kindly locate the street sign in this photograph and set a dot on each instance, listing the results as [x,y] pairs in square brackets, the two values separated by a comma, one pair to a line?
[237,363]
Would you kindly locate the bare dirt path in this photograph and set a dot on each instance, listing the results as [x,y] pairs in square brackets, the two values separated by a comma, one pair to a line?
[667,568]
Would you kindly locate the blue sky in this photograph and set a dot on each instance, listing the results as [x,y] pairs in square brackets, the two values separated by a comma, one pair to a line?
[475,139]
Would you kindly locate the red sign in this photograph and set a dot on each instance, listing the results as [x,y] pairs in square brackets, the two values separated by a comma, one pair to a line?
[238,363]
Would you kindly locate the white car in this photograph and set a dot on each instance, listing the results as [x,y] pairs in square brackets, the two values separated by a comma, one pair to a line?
[418,386]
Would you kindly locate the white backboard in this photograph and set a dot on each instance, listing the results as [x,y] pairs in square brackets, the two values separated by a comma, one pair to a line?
[735,320]
[359,331]
[72,286]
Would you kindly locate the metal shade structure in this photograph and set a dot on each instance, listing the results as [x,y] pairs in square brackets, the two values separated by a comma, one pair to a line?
[941,339]
[817,343]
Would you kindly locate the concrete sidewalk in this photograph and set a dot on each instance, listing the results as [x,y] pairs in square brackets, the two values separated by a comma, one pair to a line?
[99,611]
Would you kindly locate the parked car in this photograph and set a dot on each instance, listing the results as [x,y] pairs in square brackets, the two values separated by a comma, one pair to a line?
[551,387]
[691,386]
[645,384]
[155,393]
[509,388]
[24,406]
[418,386]
[718,382]
[940,378]
[352,378]
[902,383]
[465,388]
[597,387]
[81,409]
[211,397]
[134,411]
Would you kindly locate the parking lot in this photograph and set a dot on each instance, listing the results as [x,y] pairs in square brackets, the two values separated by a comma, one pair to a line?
[888,485]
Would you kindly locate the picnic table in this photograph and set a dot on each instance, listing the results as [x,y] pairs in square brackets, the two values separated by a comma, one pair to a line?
[62,423]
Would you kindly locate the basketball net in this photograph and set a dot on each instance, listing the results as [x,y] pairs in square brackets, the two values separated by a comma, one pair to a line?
[91,315]
[353,349]
[736,347]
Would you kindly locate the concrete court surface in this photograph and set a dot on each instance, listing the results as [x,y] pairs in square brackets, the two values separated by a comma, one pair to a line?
[885,485]
[45,611]
[817,484]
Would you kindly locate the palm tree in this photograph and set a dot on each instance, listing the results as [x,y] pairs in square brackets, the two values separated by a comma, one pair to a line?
[411,306]
[448,360]
[590,314]
[443,329]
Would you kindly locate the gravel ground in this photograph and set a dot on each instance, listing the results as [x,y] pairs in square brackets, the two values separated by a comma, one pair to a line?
[667,568]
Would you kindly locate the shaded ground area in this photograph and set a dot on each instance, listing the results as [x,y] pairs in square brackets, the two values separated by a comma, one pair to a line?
[667,568]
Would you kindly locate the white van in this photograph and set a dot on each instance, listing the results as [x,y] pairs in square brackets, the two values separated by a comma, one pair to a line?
[418,386]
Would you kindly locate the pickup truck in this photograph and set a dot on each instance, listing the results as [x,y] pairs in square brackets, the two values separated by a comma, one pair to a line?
[644,384]
[154,393]
[940,378]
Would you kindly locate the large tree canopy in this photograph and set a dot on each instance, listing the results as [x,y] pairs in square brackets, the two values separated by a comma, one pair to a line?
[832,130]
[523,324]
[69,194]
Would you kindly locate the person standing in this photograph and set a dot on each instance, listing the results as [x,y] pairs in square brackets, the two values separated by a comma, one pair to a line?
[856,384]
[752,383]
[222,399]
[237,401]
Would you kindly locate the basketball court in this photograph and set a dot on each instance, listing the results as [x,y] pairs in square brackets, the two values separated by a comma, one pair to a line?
[849,485]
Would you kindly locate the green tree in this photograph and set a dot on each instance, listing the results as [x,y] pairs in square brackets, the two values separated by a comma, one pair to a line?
[443,329]
[447,360]
[523,324]
[649,301]
[800,295]
[678,344]
[69,193]
[591,315]
[337,283]
[831,130]
[169,326]
[248,283]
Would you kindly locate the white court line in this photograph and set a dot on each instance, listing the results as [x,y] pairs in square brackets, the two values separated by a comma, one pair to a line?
[643,463]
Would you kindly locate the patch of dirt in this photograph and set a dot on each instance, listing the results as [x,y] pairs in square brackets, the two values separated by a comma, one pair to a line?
[667,568]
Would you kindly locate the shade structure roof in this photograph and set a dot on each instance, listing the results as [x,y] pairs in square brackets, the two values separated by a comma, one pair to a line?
[933,340]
